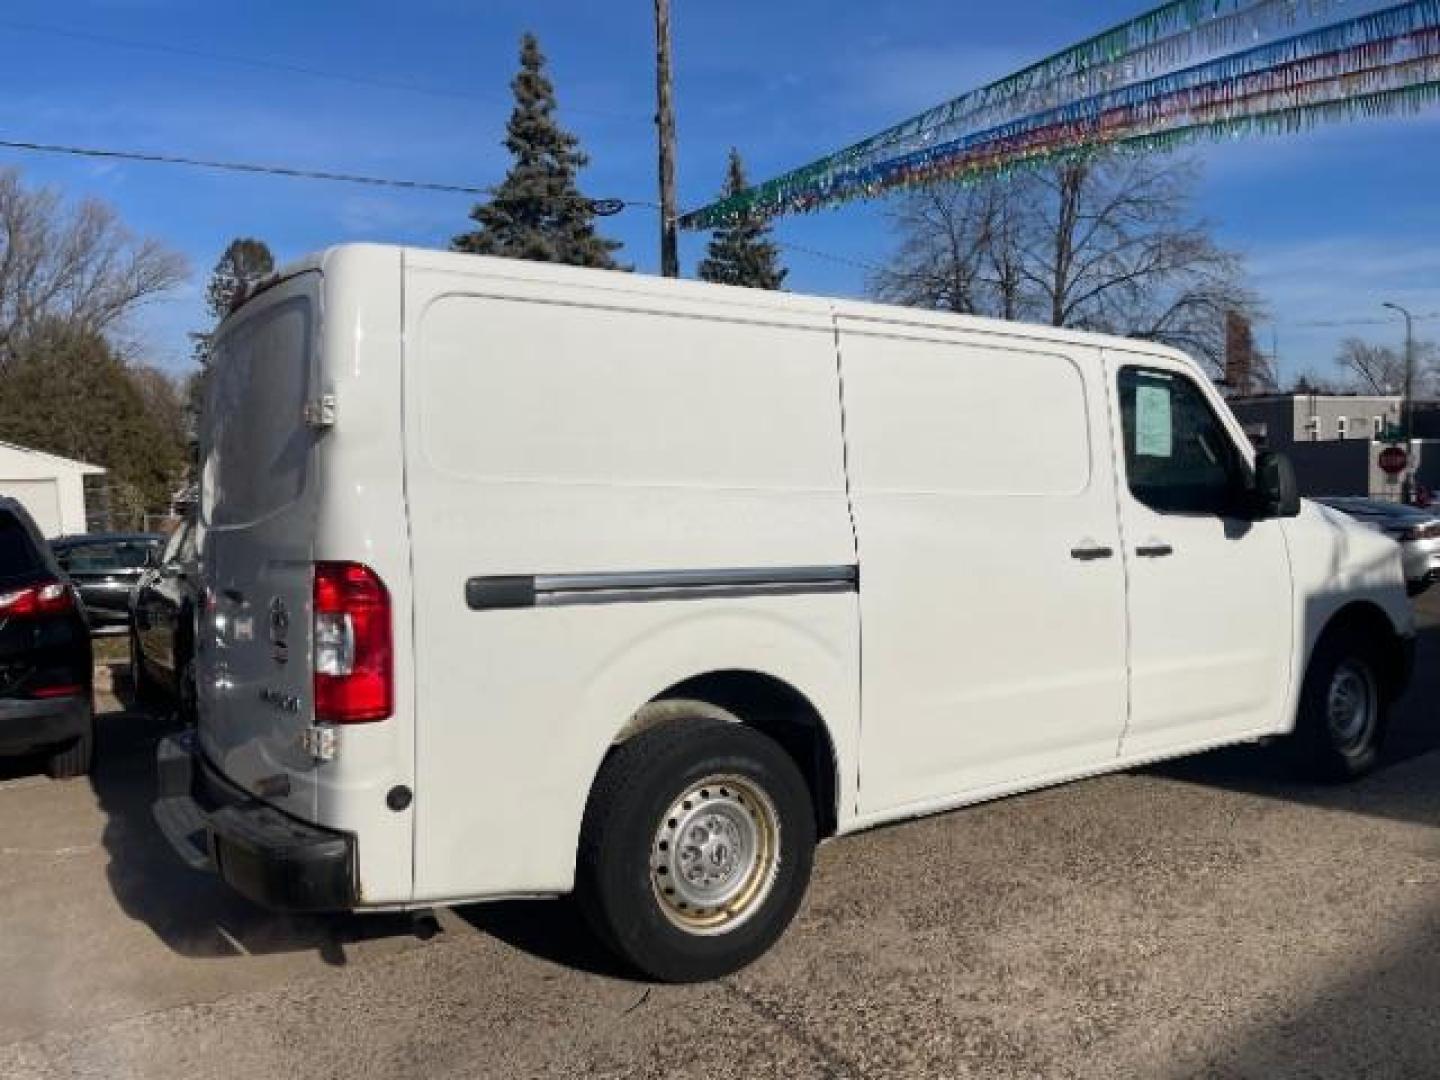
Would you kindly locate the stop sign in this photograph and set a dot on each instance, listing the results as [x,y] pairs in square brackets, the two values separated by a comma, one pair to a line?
[1393,460]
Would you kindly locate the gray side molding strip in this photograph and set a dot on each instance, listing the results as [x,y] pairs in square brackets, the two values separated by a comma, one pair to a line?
[557,590]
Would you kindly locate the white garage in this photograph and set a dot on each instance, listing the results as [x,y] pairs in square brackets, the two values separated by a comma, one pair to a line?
[52,488]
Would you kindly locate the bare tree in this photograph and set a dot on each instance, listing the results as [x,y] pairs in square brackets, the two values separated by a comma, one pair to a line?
[1108,244]
[1380,369]
[950,239]
[74,264]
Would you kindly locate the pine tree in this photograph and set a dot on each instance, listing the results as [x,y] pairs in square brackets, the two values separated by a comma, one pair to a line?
[244,261]
[742,253]
[537,212]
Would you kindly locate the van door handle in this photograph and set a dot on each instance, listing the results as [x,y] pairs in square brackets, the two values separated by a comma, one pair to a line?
[1091,554]
[1154,551]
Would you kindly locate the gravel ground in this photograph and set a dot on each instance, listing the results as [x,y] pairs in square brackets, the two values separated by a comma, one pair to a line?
[1207,918]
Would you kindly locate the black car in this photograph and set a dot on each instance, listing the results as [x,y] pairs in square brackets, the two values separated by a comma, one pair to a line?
[162,624]
[46,668]
[106,567]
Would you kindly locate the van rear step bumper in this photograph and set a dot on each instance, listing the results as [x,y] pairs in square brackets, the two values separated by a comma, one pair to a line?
[268,856]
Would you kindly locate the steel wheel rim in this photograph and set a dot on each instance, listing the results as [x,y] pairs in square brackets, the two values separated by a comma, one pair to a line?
[1351,705]
[715,855]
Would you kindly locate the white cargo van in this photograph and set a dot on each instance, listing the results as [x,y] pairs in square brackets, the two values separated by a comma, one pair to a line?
[524,579]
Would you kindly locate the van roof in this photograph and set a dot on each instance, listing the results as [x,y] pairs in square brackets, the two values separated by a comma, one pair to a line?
[680,288]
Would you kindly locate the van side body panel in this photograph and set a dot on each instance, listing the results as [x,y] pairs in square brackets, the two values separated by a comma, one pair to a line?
[563,423]
[363,518]
[1211,622]
[1331,563]
[992,597]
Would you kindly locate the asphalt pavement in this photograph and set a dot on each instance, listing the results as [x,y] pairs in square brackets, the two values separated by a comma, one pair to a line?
[1206,918]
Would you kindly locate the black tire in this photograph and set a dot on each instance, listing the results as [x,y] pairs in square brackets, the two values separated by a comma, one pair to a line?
[1319,749]
[75,758]
[620,860]
[142,688]
[185,696]
[185,699]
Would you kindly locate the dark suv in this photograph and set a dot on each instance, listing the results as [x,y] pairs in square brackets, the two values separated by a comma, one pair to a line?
[46,668]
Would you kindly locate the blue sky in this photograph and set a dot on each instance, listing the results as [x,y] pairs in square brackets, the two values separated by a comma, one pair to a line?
[1332,223]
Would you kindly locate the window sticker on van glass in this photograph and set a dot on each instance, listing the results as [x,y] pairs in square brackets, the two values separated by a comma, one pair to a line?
[1154,436]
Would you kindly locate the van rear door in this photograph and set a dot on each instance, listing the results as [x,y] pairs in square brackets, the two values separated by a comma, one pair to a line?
[257,528]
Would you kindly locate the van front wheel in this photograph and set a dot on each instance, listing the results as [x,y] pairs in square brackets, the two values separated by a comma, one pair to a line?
[1341,723]
[696,848]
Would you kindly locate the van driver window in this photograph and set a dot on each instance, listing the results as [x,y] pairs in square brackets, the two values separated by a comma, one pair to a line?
[1179,458]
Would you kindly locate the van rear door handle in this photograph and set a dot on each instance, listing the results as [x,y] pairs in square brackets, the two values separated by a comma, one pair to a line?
[1154,551]
[1090,554]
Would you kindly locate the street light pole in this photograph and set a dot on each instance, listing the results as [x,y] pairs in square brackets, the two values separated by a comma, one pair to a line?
[1408,406]
[1407,491]
[665,123]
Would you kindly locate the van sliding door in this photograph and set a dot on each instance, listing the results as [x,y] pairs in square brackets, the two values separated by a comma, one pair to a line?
[992,593]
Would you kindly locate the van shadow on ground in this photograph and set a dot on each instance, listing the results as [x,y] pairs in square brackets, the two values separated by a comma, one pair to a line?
[1378,1020]
[1406,786]
[197,915]
[193,913]
[551,930]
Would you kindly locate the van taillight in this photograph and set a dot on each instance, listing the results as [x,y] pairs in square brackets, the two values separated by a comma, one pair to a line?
[50,598]
[354,661]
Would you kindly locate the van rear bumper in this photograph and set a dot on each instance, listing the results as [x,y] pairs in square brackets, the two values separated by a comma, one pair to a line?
[263,854]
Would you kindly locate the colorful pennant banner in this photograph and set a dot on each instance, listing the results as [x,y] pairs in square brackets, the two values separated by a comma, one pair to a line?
[1172,76]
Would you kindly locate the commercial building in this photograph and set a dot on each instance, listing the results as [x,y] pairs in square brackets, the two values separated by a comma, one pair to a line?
[1335,440]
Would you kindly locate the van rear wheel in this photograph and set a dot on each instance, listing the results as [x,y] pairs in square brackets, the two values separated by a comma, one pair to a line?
[1342,718]
[696,848]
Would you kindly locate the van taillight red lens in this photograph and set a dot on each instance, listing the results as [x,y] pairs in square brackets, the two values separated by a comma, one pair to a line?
[354,661]
[33,601]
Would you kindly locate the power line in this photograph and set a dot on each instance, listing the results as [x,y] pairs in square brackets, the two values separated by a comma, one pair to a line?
[1339,323]
[828,256]
[280,66]
[604,207]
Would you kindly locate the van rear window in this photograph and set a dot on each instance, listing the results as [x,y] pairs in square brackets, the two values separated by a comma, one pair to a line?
[256,446]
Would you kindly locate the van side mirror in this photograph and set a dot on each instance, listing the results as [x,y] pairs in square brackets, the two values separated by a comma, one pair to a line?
[1276,494]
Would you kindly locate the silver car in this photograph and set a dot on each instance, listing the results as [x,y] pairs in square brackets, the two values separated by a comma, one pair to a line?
[1416,531]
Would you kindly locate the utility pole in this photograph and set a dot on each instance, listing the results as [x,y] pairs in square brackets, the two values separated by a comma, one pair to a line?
[665,123]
